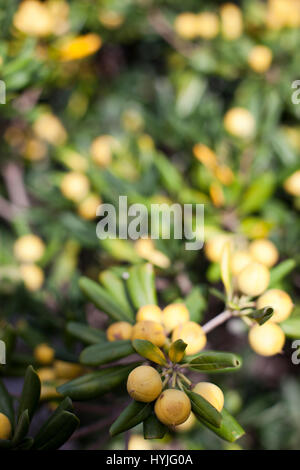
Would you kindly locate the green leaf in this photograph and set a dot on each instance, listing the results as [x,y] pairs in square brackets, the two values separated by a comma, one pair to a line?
[96,383]
[177,350]
[85,333]
[103,300]
[6,403]
[21,428]
[214,361]
[116,287]
[262,315]
[203,409]
[133,414]
[257,194]
[196,303]
[148,350]
[226,270]
[105,352]
[141,285]
[31,392]
[59,430]
[291,327]
[153,429]
[281,271]
[230,430]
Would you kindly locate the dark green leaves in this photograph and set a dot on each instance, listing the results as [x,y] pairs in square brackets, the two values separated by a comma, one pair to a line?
[291,327]
[281,271]
[105,352]
[85,333]
[154,429]
[229,430]
[262,315]
[148,350]
[31,392]
[133,414]
[204,410]
[141,286]
[213,361]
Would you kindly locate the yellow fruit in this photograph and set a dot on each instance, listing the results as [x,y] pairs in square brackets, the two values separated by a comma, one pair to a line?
[34,18]
[5,427]
[79,47]
[207,25]
[111,19]
[49,128]
[151,331]
[67,370]
[283,13]
[254,279]
[206,156]
[214,247]
[75,186]
[137,442]
[172,407]
[240,259]
[185,25]
[260,58]
[211,393]
[35,150]
[264,252]
[149,313]
[174,315]
[44,354]
[88,207]
[33,276]
[144,384]
[187,425]
[267,339]
[231,21]
[120,330]
[132,120]
[239,122]
[49,392]
[280,301]
[192,334]
[102,149]
[292,184]
[46,374]
[29,248]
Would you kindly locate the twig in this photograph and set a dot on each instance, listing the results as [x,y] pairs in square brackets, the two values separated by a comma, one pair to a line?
[218,320]
[7,209]
[13,177]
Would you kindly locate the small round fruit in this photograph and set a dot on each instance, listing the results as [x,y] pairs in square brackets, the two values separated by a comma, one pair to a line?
[254,279]
[149,313]
[137,442]
[44,354]
[207,25]
[75,186]
[187,425]
[240,123]
[292,184]
[46,374]
[5,427]
[33,276]
[260,58]
[87,208]
[280,301]
[172,407]
[214,247]
[144,384]
[212,393]
[29,248]
[151,331]
[174,315]
[267,339]
[192,334]
[67,370]
[119,330]
[185,25]
[240,259]
[231,21]
[102,149]
[264,251]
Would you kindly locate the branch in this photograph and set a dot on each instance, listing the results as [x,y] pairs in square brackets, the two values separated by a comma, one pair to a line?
[217,321]
[13,177]
[7,210]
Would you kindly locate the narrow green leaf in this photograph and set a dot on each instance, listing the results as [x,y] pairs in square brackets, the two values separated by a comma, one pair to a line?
[31,392]
[6,403]
[59,430]
[214,361]
[291,327]
[148,350]
[281,271]
[258,193]
[133,414]
[153,429]
[230,430]
[106,352]
[177,350]
[141,285]
[203,409]
[85,333]
[262,315]
[21,428]
[116,287]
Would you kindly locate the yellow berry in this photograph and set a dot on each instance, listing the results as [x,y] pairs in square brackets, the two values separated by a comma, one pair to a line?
[172,407]
[111,19]
[75,186]
[185,25]
[212,393]
[144,384]
[137,442]
[231,21]
[49,128]
[67,370]
[174,315]
[267,339]
[87,208]
[33,276]
[214,247]
[264,251]
[192,334]
[46,374]
[240,259]
[260,58]
[120,330]
[34,18]
[292,184]
[149,313]
[239,122]
[5,427]
[187,425]
[280,301]
[79,47]
[254,279]
[102,149]
[29,248]
[150,331]
[207,25]
[44,354]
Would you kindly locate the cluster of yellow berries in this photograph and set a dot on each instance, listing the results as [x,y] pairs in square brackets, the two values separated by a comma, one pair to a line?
[172,406]
[28,250]
[154,325]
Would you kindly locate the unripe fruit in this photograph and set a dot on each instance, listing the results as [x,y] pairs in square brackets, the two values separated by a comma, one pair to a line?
[67,370]
[212,393]
[5,427]
[254,279]
[149,313]
[102,149]
[185,25]
[207,25]
[29,248]
[174,315]
[33,276]
[144,384]
[232,21]
[172,407]
[151,331]
[260,58]
[240,123]
[292,184]
[88,207]
[240,259]
[119,330]
[192,334]
[264,251]
[187,425]
[214,247]
[75,186]
[267,339]
[280,301]
[44,354]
